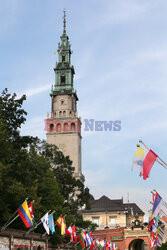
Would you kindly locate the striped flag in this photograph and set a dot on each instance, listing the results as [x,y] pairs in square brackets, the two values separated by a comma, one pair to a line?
[24,213]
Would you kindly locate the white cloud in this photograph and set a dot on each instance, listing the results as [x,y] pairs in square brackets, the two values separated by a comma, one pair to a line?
[35,91]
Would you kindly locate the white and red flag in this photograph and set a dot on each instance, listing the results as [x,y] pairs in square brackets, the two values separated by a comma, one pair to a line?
[144,158]
[74,234]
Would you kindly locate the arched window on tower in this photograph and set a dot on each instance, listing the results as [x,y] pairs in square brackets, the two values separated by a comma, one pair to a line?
[60,114]
[70,113]
[51,127]
[66,127]
[64,113]
[72,126]
[58,127]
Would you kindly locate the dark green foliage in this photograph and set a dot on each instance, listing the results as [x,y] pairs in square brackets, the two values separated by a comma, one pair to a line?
[163,247]
[32,168]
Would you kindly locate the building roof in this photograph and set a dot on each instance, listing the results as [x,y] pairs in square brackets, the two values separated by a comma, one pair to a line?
[133,208]
[105,204]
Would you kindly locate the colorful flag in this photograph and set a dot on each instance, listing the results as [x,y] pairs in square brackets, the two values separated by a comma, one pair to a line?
[58,222]
[81,240]
[69,232]
[45,221]
[30,207]
[74,234]
[158,203]
[63,226]
[51,224]
[150,221]
[138,160]
[89,239]
[24,213]
[148,163]
[97,243]
[143,160]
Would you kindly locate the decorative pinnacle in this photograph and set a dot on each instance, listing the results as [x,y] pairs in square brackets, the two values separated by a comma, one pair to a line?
[64,21]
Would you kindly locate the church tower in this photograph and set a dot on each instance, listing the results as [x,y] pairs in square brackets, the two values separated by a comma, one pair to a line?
[64,126]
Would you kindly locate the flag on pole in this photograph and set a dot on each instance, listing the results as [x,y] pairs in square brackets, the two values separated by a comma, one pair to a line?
[74,234]
[158,203]
[63,226]
[89,240]
[81,240]
[143,160]
[148,163]
[24,213]
[69,231]
[58,222]
[30,207]
[51,224]
[45,221]
[138,160]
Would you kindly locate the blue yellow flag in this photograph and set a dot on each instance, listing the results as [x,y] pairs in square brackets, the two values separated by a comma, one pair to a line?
[24,213]
[51,224]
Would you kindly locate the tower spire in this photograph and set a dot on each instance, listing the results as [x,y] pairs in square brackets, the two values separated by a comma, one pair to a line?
[64,21]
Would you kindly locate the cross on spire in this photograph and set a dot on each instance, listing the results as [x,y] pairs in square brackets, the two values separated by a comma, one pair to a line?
[64,21]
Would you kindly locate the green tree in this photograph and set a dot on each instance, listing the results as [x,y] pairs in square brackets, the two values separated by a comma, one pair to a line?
[31,168]
[23,172]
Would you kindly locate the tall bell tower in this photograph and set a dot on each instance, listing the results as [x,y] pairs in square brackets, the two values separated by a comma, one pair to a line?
[63,126]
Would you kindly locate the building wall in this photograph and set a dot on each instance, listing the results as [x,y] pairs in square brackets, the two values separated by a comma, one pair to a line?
[70,144]
[131,235]
[122,237]
[105,219]
[13,239]
[63,103]
[64,130]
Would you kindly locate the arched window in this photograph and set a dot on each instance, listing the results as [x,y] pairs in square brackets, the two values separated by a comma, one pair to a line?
[66,126]
[70,113]
[58,127]
[60,114]
[64,113]
[51,127]
[55,114]
[72,126]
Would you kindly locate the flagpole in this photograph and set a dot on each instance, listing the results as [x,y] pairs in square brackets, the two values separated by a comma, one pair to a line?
[163,163]
[68,243]
[9,222]
[3,228]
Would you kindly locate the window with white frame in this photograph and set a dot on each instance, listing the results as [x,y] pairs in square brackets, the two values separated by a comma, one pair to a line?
[112,221]
[95,220]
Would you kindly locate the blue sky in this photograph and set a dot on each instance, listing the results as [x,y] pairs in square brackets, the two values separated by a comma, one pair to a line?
[120,59]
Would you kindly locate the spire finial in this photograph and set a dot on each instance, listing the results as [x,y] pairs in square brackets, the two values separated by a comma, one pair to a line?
[64,20]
